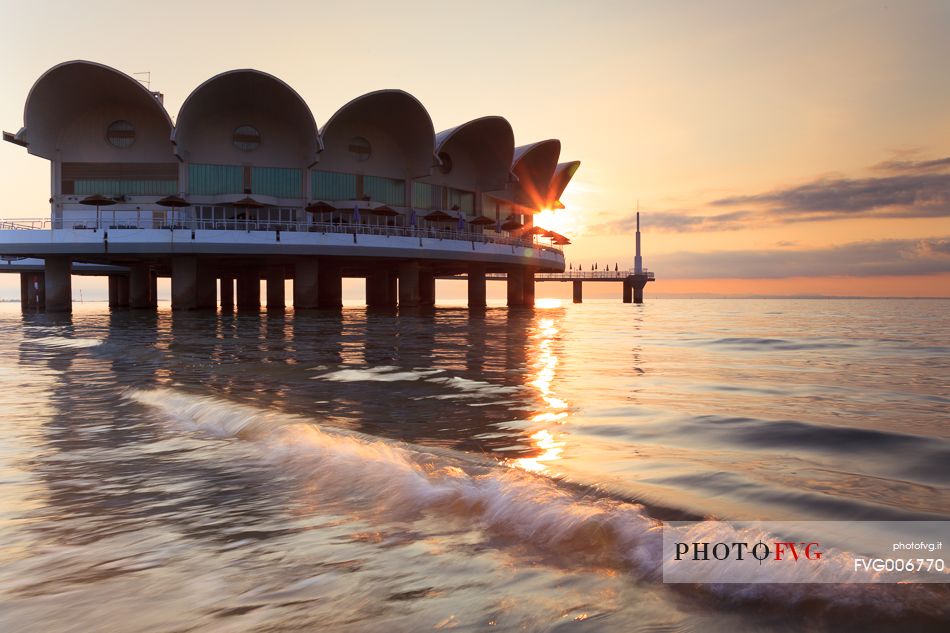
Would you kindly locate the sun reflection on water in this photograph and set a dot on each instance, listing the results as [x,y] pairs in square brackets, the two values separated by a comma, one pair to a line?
[549,444]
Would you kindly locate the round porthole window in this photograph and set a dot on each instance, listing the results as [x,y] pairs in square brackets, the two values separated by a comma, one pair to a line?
[246,138]
[446,165]
[360,148]
[120,134]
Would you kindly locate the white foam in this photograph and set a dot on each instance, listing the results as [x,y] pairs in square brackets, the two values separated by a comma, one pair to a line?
[63,342]
[384,373]
[398,478]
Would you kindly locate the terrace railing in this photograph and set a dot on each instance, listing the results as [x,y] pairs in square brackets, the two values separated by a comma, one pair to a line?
[248,226]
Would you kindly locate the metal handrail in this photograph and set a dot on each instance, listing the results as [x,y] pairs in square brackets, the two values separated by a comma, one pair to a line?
[256,225]
[594,274]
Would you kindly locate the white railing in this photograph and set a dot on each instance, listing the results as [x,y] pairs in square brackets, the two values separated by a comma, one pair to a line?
[593,274]
[105,224]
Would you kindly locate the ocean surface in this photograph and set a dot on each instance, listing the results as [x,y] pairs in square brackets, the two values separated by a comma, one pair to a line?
[502,470]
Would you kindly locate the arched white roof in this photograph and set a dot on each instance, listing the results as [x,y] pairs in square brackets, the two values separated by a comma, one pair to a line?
[397,114]
[534,165]
[67,91]
[490,143]
[248,91]
[562,176]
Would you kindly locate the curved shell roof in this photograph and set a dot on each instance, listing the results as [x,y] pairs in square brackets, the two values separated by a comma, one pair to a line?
[66,91]
[489,141]
[562,176]
[248,90]
[534,166]
[399,115]
[71,90]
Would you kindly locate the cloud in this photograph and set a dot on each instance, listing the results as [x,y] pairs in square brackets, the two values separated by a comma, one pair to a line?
[914,165]
[855,259]
[906,196]
[911,189]
[679,222]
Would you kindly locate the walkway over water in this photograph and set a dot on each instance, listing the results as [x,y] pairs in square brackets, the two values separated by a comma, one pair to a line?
[633,282]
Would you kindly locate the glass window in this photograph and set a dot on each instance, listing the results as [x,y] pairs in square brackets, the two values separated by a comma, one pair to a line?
[120,134]
[246,138]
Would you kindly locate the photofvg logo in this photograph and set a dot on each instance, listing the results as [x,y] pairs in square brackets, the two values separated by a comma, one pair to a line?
[760,551]
[804,552]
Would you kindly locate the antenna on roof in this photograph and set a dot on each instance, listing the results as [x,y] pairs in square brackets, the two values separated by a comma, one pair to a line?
[148,78]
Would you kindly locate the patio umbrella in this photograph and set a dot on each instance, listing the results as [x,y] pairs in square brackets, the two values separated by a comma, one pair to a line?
[248,203]
[173,202]
[97,200]
[320,206]
[384,211]
[481,220]
[437,216]
[511,224]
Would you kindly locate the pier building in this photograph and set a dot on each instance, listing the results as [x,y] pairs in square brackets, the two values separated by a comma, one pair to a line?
[245,187]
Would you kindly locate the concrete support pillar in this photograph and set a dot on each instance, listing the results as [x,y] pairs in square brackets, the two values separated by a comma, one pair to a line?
[426,287]
[392,289]
[32,291]
[113,291]
[578,291]
[227,292]
[330,285]
[138,286]
[377,288]
[527,285]
[184,282]
[306,275]
[477,295]
[275,288]
[408,284]
[638,290]
[627,291]
[206,291]
[118,291]
[59,288]
[515,287]
[249,289]
[152,289]
[123,291]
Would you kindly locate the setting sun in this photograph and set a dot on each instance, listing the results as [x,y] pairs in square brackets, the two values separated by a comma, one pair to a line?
[560,220]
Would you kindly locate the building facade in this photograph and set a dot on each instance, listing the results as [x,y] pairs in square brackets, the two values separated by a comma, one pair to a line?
[245,185]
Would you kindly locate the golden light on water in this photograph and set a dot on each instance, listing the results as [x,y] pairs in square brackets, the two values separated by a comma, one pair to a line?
[549,444]
[550,448]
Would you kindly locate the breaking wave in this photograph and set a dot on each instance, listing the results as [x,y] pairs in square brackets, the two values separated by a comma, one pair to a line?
[397,478]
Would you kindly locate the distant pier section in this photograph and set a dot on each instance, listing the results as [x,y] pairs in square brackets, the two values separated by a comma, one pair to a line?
[634,280]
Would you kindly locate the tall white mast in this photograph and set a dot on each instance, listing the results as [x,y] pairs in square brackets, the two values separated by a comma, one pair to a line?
[637,260]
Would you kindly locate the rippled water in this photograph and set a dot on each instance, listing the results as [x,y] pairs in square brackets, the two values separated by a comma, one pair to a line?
[363,471]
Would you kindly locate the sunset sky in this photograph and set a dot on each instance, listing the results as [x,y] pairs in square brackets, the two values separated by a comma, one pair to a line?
[774,148]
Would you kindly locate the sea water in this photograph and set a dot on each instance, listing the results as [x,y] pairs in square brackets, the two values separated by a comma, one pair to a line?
[359,470]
